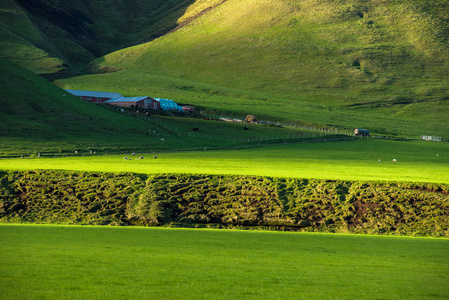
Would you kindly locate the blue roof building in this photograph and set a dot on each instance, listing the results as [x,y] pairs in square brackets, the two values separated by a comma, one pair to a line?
[94,96]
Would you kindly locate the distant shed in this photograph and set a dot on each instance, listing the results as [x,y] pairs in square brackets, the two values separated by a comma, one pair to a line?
[94,96]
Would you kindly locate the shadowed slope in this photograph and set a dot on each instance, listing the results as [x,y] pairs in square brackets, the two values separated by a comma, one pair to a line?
[63,36]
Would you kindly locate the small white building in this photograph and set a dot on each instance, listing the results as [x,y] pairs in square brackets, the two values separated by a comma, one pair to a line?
[431,138]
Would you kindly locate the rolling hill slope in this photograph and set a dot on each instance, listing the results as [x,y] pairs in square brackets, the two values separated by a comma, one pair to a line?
[38,117]
[63,36]
[375,64]
[35,113]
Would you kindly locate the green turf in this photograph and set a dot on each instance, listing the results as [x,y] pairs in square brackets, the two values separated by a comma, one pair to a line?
[59,262]
[350,160]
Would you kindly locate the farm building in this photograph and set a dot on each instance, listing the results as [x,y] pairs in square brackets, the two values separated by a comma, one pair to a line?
[144,102]
[169,105]
[151,103]
[93,96]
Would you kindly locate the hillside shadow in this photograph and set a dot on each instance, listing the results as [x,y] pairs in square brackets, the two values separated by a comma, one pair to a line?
[81,31]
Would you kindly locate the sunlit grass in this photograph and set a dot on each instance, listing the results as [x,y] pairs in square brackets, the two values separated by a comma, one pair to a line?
[352,160]
[67,262]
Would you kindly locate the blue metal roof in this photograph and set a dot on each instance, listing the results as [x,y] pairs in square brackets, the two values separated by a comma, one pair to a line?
[81,93]
[126,99]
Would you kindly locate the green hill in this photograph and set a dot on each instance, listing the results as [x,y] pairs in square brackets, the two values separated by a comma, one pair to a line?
[38,117]
[35,112]
[62,37]
[379,65]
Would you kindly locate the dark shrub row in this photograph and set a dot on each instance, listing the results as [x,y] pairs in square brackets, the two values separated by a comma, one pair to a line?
[225,201]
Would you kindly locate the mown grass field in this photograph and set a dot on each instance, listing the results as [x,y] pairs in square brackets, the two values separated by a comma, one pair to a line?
[67,262]
[350,160]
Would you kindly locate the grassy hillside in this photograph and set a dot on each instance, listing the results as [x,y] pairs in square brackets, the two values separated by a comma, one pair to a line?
[62,36]
[38,117]
[380,65]
[34,111]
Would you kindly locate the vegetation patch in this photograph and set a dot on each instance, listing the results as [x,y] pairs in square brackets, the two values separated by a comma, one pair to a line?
[184,200]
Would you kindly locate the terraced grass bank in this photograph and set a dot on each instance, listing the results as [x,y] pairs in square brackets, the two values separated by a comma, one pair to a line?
[216,201]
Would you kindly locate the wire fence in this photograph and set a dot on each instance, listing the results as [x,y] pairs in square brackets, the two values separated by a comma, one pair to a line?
[305,134]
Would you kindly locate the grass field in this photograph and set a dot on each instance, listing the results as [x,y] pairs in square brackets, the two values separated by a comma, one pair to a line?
[67,262]
[350,160]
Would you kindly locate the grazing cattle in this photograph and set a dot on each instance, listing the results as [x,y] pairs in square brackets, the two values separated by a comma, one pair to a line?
[196,129]
[126,158]
[133,154]
[155,156]
[162,139]
[361,132]
[394,160]
[245,128]
[141,157]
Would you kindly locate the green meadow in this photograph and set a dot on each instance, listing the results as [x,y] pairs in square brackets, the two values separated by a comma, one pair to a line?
[336,65]
[71,262]
[367,159]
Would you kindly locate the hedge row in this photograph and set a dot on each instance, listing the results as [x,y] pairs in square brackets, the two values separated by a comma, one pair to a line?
[225,201]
